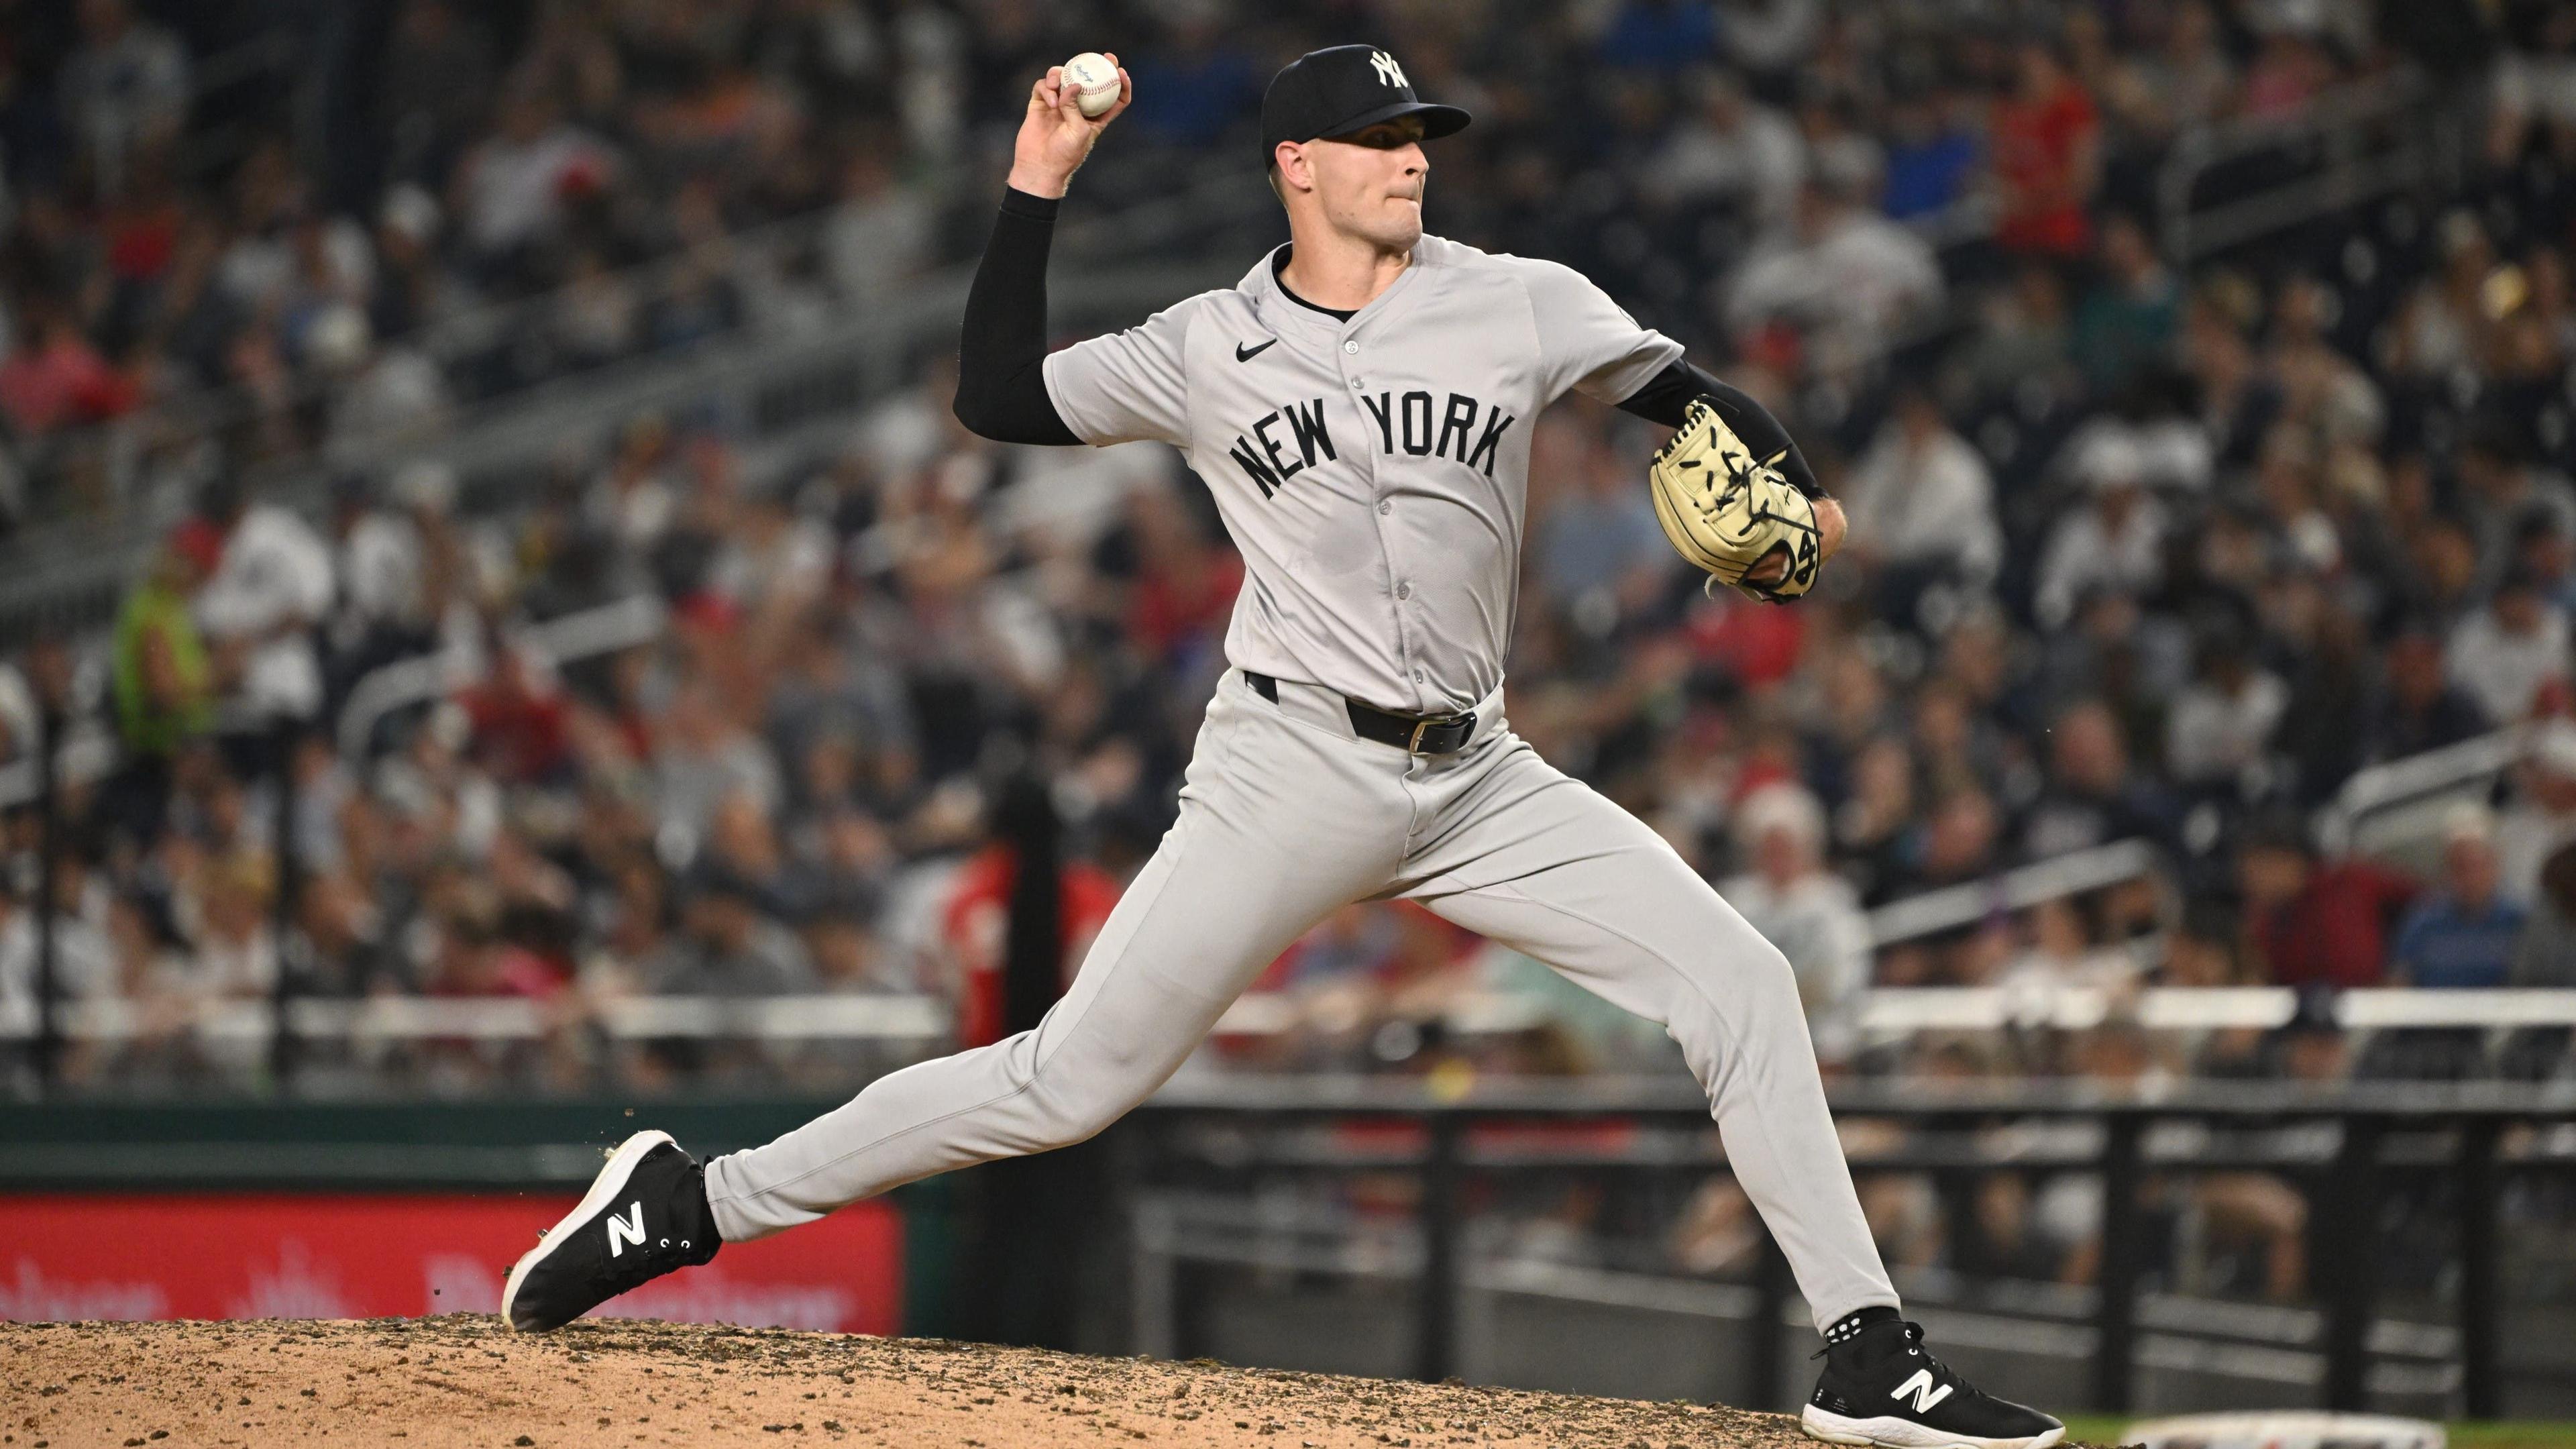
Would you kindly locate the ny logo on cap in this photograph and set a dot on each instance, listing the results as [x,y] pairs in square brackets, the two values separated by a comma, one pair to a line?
[1387,70]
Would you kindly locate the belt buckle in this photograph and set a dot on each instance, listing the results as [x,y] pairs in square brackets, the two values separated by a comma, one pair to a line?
[1413,744]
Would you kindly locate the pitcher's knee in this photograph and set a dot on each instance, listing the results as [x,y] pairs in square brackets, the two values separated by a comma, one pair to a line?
[1735,987]
[1060,1114]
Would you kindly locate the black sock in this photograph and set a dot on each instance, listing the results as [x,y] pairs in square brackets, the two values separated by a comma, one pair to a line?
[1851,1325]
[695,1220]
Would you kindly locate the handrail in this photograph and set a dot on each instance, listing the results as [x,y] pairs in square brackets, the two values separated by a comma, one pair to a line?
[585,634]
[2339,113]
[853,1017]
[2013,890]
[1888,1012]
[2407,779]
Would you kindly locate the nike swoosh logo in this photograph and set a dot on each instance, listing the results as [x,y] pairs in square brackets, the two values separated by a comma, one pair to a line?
[1246,354]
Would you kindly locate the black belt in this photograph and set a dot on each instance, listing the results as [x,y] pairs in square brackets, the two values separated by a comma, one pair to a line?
[1437,734]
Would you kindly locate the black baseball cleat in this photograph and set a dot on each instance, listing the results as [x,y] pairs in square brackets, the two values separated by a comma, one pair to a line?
[1881,1387]
[645,1215]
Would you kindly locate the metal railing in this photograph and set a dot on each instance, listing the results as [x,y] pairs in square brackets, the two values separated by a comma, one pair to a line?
[854,1017]
[2385,807]
[2421,136]
[1886,1013]
[566,639]
[1951,907]
[2456,1132]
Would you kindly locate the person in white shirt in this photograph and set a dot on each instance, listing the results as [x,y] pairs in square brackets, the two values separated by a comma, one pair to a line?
[1810,913]
[272,587]
[1847,275]
[2116,539]
[1733,148]
[1922,496]
[2222,724]
[2502,654]
[2542,814]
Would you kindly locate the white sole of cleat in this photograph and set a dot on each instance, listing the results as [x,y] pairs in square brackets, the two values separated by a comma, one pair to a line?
[610,1182]
[1890,1432]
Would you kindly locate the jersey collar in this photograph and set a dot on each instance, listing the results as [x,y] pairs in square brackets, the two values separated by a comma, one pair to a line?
[1284,315]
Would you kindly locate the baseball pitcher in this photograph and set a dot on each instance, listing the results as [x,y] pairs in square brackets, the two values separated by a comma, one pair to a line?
[1360,405]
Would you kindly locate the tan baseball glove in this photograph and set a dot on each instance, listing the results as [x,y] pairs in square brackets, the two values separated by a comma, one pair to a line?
[1726,512]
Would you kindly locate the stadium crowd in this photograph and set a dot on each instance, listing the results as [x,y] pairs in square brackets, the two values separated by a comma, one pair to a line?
[2145,546]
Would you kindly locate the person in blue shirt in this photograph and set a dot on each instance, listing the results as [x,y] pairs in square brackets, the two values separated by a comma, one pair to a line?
[2464,933]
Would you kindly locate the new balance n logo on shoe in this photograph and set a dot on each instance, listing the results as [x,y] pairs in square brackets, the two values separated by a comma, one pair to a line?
[1920,1386]
[631,1228]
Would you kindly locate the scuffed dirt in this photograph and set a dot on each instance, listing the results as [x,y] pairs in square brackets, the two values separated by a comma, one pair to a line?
[463,1379]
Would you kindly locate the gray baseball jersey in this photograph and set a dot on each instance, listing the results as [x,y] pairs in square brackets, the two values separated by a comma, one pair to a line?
[1374,473]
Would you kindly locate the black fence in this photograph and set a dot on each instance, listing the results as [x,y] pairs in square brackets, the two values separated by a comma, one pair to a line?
[2377,1136]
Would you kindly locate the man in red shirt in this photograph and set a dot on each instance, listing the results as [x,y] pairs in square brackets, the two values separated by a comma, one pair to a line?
[2047,157]
[2313,922]
[977,928]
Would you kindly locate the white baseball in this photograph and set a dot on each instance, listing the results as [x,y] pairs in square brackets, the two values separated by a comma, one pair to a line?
[1094,82]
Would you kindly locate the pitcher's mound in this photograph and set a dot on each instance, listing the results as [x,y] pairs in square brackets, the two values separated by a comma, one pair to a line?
[465,1380]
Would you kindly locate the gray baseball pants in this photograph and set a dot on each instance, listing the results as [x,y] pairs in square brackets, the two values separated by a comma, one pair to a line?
[1285,816]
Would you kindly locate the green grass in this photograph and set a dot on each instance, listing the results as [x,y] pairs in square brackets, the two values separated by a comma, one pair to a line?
[2464,1434]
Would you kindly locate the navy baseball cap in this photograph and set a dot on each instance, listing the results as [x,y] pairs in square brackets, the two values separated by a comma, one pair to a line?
[1341,89]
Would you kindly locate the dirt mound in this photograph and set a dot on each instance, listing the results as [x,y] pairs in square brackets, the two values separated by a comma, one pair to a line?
[463,1379]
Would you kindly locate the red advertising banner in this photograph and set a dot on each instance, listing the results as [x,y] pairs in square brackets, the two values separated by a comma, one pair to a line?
[297,1255]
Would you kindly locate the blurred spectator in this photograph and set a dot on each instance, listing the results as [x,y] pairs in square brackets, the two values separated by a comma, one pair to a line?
[2311,1047]
[1598,537]
[2546,954]
[2047,143]
[2503,654]
[2127,322]
[54,378]
[2114,540]
[2535,82]
[1932,153]
[1812,915]
[272,588]
[1659,34]
[1731,150]
[2222,724]
[2417,707]
[1922,501]
[2541,815]
[729,945]
[511,191]
[880,232]
[125,89]
[2312,922]
[162,678]
[2501,489]
[1848,277]
[2463,932]
[2094,795]
[978,921]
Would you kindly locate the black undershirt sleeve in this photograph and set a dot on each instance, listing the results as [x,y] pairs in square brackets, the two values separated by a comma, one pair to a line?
[1667,396]
[1001,355]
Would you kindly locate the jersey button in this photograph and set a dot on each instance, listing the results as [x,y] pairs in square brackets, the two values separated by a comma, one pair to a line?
[1352,347]
[1356,384]
[1404,591]
[1417,676]
[1385,507]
